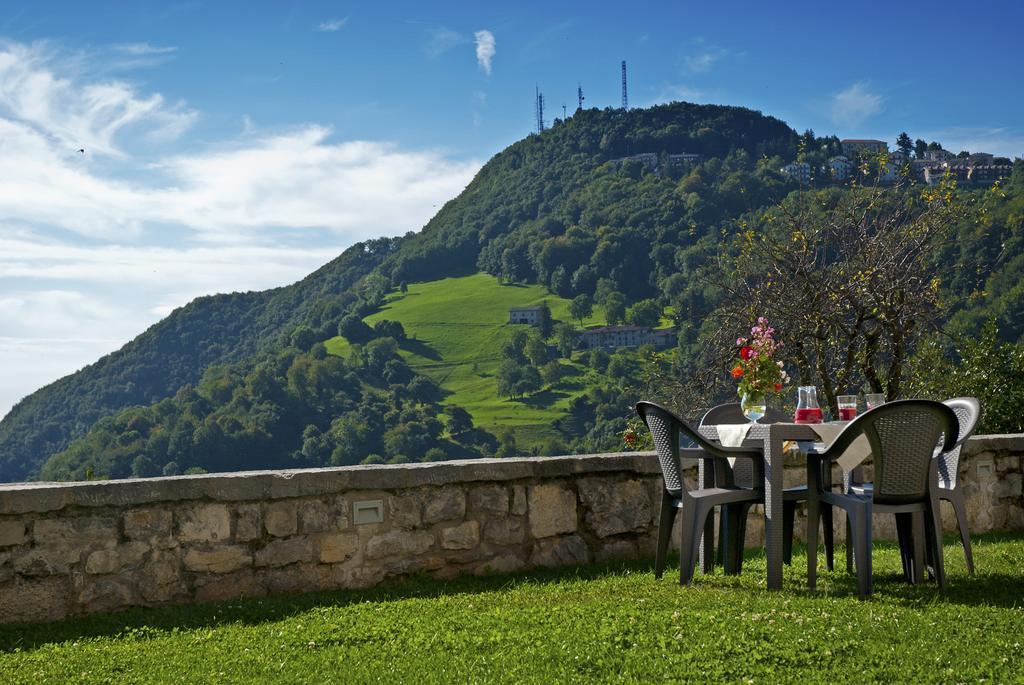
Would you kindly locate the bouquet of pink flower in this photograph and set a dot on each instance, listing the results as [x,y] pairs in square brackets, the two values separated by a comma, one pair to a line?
[757,370]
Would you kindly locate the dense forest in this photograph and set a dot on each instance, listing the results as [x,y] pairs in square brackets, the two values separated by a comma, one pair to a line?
[238,381]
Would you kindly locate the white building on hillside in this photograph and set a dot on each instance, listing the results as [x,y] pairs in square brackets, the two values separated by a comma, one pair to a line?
[799,171]
[852,146]
[841,167]
[528,315]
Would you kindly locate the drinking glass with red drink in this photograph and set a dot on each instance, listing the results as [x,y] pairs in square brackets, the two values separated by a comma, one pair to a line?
[847,407]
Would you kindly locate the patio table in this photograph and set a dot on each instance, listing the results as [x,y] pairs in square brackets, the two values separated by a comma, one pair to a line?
[773,435]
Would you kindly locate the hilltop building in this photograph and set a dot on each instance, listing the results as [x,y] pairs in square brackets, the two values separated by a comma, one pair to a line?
[798,171]
[612,337]
[841,167]
[939,155]
[528,315]
[853,146]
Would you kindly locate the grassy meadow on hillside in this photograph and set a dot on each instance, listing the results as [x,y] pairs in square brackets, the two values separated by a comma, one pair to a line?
[456,327]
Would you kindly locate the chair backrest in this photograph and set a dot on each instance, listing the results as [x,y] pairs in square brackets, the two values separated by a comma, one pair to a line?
[968,413]
[902,436]
[732,413]
[666,428]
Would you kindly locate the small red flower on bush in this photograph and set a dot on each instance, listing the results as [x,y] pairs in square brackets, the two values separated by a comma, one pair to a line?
[737,371]
[746,353]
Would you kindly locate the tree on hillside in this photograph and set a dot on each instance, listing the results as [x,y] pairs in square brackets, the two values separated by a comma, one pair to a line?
[920,147]
[615,308]
[389,329]
[403,287]
[566,339]
[581,307]
[353,329]
[536,351]
[644,313]
[517,380]
[303,338]
[459,420]
[544,322]
[904,143]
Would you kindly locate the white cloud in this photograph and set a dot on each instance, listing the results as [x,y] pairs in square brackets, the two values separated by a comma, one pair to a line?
[80,115]
[703,61]
[485,49]
[678,92]
[441,39]
[93,251]
[331,25]
[143,49]
[855,104]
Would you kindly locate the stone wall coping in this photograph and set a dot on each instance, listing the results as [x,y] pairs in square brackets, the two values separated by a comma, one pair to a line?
[22,498]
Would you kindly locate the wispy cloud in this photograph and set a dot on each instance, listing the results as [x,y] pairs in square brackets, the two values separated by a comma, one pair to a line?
[485,49]
[441,39]
[331,25]
[853,105]
[86,115]
[143,49]
[704,60]
[677,92]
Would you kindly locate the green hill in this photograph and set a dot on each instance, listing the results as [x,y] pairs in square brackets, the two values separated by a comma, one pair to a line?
[457,327]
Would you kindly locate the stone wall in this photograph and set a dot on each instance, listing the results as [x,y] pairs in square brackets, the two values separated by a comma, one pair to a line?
[79,548]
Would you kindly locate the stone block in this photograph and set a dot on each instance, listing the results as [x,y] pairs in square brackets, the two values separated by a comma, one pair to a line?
[337,547]
[490,498]
[106,594]
[406,510]
[505,531]
[316,516]
[504,563]
[399,542]
[1009,485]
[160,580]
[519,501]
[217,559]
[568,550]
[113,560]
[615,507]
[552,510]
[204,523]
[12,532]
[145,524]
[243,583]
[281,519]
[37,600]
[463,536]
[248,523]
[444,504]
[1011,463]
[284,552]
[616,549]
[81,532]
[47,561]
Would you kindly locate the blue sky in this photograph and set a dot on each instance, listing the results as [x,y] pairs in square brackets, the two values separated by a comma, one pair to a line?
[235,146]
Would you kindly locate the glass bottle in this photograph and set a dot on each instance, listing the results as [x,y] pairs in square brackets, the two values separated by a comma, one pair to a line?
[807,409]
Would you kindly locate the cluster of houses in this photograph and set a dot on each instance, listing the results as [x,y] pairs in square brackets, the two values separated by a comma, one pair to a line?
[977,169]
[605,337]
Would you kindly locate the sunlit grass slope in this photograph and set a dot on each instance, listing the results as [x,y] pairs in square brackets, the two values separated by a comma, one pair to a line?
[456,327]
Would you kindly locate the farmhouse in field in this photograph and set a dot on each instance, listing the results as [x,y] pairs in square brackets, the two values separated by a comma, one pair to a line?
[611,337]
[528,315]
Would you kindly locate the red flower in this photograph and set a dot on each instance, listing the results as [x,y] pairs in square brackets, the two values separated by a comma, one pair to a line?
[746,353]
[737,371]
[778,387]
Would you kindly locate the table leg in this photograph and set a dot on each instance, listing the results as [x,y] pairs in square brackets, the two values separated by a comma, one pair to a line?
[773,526]
[705,479]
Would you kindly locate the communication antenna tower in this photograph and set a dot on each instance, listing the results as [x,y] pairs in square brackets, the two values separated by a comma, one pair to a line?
[563,111]
[625,98]
[579,97]
[540,110]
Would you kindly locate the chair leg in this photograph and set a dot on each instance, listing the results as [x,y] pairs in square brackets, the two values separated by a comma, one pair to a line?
[918,544]
[692,518]
[934,529]
[828,535]
[849,544]
[903,535]
[960,508]
[788,518]
[860,522]
[665,521]
[739,540]
[724,523]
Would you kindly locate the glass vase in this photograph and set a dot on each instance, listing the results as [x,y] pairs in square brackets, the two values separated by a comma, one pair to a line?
[753,405]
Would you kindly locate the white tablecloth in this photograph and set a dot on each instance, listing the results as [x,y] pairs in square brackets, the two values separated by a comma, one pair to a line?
[733,435]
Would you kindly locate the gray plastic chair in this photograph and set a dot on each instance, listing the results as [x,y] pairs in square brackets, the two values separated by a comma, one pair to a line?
[741,474]
[694,506]
[968,413]
[902,435]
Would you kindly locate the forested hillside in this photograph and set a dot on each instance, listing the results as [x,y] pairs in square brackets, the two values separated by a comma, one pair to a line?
[574,210]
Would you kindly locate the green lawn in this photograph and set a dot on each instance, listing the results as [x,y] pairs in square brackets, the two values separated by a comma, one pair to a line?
[459,326]
[599,623]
